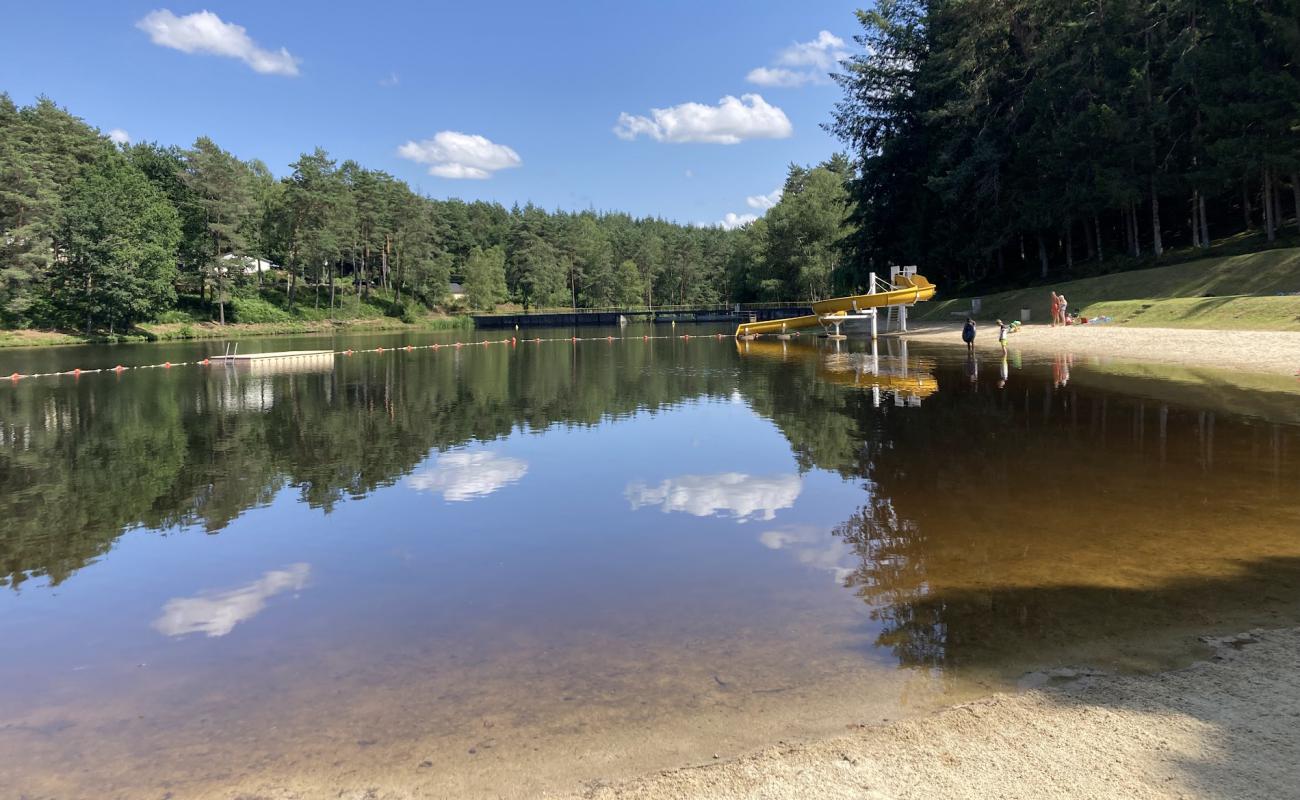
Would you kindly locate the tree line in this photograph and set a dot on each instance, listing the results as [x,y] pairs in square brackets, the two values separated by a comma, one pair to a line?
[95,236]
[1009,140]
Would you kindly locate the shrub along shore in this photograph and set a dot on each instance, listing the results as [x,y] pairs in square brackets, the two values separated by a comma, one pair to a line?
[174,331]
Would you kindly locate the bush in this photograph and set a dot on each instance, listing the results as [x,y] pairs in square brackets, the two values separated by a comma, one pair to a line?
[402,311]
[255,309]
[176,315]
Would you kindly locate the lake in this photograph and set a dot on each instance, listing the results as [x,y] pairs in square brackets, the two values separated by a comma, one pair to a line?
[509,569]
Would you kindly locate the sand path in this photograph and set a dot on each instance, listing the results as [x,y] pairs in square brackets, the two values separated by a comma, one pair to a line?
[1253,351]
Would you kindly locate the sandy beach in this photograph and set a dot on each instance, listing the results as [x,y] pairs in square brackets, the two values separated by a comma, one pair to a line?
[1222,727]
[1251,351]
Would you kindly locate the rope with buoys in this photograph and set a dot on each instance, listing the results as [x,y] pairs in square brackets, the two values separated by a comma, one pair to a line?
[513,341]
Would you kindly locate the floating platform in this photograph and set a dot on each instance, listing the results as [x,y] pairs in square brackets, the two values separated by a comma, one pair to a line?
[242,357]
[282,361]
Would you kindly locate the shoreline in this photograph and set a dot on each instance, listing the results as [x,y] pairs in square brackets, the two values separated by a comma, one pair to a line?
[1275,352]
[1222,727]
[198,331]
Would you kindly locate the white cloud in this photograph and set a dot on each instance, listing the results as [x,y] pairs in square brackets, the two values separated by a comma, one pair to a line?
[731,121]
[460,155]
[824,52]
[466,476]
[205,32]
[802,63]
[731,220]
[765,201]
[814,547]
[779,77]
[119,136]
[392,80]
[217,614]
[742,496]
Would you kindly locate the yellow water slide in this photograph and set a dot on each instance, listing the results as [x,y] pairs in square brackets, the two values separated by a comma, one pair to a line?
[908,290]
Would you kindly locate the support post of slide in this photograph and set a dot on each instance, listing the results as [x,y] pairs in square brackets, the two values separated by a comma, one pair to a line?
[874,312]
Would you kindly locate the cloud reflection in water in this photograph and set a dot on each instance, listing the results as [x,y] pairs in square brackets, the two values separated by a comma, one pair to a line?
[742,496]
[218,613]
[815,547]
[465,476]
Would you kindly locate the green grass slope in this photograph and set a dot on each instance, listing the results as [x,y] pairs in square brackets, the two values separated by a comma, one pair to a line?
[1256,291]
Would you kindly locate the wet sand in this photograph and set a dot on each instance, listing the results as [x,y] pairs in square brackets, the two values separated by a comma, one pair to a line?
[1275,352]
[1224,727]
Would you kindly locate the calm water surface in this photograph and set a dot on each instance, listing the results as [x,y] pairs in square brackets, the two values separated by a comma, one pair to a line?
[499,571]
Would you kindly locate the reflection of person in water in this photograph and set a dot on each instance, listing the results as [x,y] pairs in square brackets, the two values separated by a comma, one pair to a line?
[972,368]
[968,335]
[1061,370]
[1003,371]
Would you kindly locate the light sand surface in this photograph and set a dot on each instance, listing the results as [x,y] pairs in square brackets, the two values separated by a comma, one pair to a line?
[1252,351]
[1227,727]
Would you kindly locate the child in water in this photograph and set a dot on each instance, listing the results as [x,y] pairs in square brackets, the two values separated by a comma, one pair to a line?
[968,335]
[1002,335]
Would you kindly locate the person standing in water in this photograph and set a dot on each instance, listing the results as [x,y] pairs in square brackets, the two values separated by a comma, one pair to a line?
[1003,331]
[1056,309]
[968,335]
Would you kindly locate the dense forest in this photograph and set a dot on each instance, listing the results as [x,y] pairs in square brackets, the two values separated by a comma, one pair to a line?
[1004,141]
[99,236]
[990,143]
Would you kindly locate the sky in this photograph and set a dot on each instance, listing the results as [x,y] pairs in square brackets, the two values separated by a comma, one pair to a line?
[690,111]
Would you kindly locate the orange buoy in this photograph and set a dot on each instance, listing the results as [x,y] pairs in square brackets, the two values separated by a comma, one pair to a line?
[167,365]
[76,370]
[408,348]
[119,368]
[379,349]
[15,377]
[512,341]
[205,362]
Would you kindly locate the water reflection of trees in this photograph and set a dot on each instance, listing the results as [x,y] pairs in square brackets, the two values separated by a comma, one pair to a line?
[1001,526]
[80,462]
[974,502]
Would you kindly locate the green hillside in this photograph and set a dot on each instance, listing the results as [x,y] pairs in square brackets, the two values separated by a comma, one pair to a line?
[1256,291]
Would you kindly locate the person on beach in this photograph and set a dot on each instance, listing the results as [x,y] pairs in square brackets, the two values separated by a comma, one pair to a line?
[1056,309]
[1002,335]
[1063,307]
[968,335]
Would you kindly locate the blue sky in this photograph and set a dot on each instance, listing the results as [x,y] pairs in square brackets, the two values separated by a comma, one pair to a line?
[536,91]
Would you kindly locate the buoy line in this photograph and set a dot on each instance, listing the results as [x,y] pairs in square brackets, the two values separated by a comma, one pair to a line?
[513,341]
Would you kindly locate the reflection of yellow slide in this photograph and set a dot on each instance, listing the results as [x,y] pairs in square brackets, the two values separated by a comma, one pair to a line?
[908,289]
[913,377]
